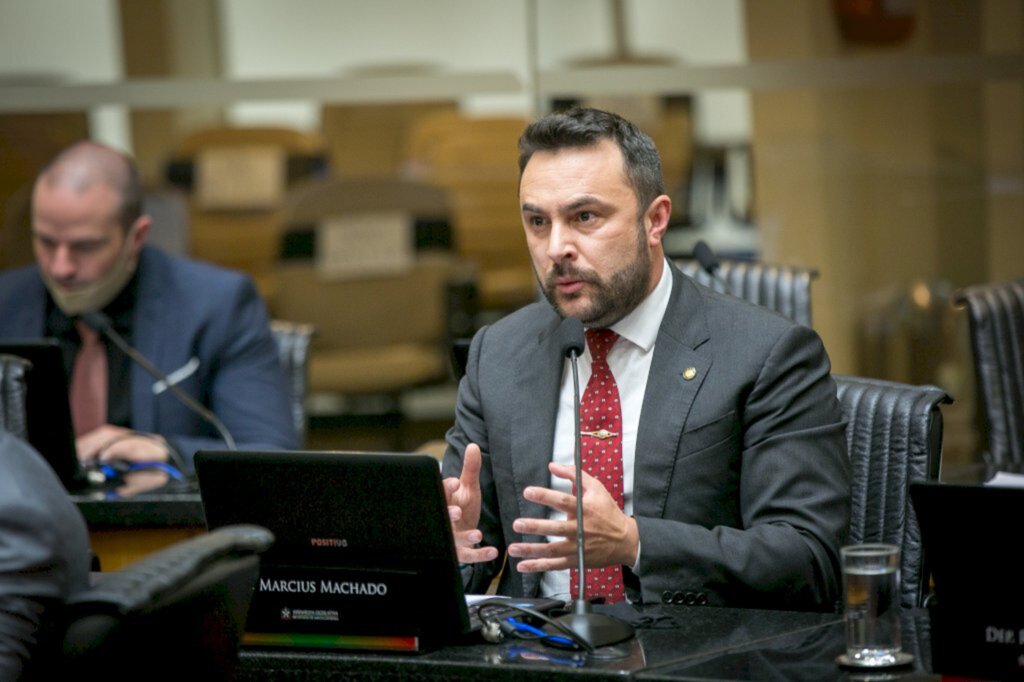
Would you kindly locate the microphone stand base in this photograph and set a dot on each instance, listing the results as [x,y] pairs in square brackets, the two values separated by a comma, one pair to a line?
[597,628]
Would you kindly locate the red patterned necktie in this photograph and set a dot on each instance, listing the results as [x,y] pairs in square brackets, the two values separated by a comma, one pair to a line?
[89,382]
[601,452]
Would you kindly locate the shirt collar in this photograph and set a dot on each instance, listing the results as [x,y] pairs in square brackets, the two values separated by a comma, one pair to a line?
[640,327]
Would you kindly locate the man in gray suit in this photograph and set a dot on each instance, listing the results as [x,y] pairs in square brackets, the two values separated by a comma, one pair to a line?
[729,480]
[44,555]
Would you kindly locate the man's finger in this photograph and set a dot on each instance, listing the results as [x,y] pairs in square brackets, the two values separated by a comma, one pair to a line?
[468,538]
[471,463]
[568,472]
[544,565]
[563,502]
[551,527]
[468,555]
[541,550]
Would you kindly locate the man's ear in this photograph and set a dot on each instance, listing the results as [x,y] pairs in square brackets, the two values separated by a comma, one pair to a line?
[139,232]
[657,218]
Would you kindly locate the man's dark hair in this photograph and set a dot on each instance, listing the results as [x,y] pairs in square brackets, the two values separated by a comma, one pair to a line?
[583,127]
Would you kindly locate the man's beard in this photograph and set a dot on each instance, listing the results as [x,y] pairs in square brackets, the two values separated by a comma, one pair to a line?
[610,300]
[95,295]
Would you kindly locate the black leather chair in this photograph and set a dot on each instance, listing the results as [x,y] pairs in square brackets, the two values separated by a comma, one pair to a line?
[894,436]
[176,614]
[12,395]
[782,288]
[996,314]
[293,339]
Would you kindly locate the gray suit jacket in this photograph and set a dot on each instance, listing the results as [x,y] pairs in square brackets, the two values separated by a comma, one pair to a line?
[44,555]
[741,490]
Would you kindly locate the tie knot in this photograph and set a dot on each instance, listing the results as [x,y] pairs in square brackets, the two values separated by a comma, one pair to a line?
[600,341]
[88,334]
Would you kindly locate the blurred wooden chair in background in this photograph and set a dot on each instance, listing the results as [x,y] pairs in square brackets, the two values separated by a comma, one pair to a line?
[383,309]
[376,334]
[371,140]
[476,160]
[237,180]
[309,203]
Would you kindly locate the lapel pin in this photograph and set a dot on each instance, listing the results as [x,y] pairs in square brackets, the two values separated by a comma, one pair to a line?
[689,373]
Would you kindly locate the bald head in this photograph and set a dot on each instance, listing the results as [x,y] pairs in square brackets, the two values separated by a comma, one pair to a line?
[79,168]
[87,226]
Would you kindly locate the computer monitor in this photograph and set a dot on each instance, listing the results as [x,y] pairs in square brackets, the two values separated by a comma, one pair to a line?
[50,429]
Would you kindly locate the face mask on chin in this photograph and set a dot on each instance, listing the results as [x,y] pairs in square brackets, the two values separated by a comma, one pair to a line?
[98,294]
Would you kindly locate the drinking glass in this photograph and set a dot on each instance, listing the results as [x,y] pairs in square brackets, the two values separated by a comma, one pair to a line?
[871,587]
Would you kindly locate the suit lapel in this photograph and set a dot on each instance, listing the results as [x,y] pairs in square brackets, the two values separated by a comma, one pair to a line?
[30,319]
[535,406]
[681,362]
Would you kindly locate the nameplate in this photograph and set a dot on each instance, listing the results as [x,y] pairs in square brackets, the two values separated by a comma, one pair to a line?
[336,608]
[986,643]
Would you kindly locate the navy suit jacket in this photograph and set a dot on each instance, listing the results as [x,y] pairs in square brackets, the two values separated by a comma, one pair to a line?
[186,309]
[741,477]
[44,556]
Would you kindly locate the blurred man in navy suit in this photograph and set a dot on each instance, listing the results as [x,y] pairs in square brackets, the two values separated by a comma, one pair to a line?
[205,327]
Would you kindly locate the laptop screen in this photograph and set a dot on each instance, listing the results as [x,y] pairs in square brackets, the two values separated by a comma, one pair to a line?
[363,554]
[50,430]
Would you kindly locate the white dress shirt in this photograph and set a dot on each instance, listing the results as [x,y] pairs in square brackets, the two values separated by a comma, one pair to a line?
[630,363]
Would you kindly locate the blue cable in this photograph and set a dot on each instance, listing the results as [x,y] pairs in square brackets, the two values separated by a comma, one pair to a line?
[112,472]
[520,626]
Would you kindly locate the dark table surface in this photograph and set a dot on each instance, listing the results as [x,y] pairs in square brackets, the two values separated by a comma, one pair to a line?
[703,643]
[172,505]
[795,656]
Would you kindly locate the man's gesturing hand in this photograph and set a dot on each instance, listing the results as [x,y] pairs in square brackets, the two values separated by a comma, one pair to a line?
[611,536]
[464,500]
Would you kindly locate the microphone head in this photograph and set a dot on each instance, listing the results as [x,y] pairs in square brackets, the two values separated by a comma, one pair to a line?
[96,320]
[705,256]
[570,336]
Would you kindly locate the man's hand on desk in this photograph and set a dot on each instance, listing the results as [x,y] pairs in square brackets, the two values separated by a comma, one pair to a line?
[611,536]
[141,481]
[110,442]
[464,501]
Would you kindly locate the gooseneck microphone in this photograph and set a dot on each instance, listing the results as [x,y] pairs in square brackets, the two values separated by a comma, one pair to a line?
[709,263]
[101,323]
[596,629]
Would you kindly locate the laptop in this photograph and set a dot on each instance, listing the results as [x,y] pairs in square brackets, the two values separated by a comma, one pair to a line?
[363,558]
[970,537]
[50,430]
